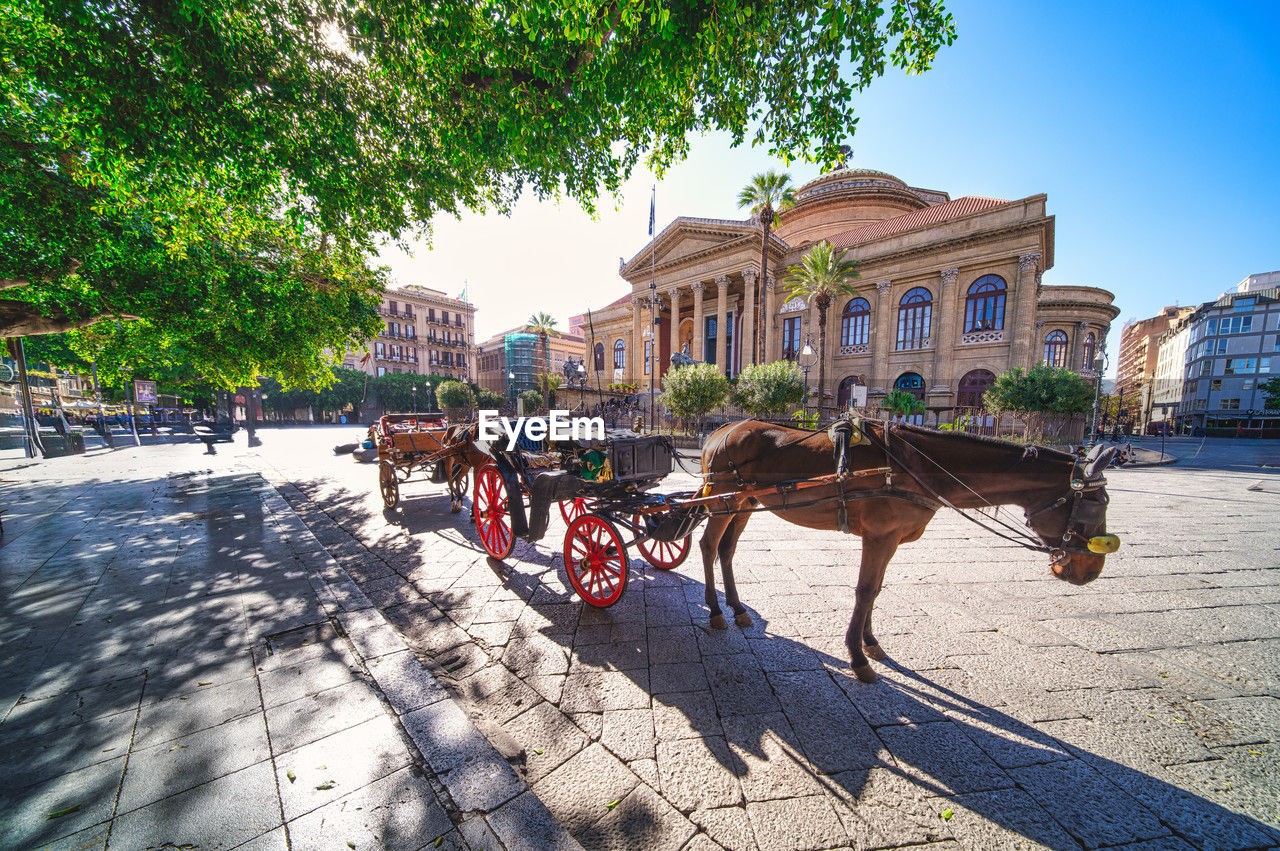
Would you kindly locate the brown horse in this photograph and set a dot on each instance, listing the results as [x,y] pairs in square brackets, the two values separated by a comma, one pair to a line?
[461,440]
[921,471]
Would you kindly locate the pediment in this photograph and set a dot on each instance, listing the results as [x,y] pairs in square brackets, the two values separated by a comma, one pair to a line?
[688,239]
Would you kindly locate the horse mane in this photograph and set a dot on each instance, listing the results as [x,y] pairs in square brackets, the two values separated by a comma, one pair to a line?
[982,439]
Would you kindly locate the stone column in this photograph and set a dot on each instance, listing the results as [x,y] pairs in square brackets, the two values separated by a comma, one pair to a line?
[882,339]
[637,341]
[770,316]
[1077,351]
[749,279]
[674,331]
[722,303]
[945,319]
[698,321]
[1023,350]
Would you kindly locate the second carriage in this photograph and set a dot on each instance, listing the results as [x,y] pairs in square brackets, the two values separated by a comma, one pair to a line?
[603,489]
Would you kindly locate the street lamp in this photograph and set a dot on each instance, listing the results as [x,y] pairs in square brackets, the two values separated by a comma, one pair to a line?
[511,387]
[126,380]
[415,398]
[655,303]
[808,357]
[1099,364]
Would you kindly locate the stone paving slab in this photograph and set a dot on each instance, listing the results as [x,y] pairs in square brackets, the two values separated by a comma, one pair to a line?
[185,666]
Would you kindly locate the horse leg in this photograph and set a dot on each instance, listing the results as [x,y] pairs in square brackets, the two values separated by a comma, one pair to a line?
[876,552]
[728,545]
[710,543]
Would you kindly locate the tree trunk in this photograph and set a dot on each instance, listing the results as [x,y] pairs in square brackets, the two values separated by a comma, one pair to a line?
[822,355]
[766,224]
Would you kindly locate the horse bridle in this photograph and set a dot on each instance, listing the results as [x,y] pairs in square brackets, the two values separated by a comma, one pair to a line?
[1086,513]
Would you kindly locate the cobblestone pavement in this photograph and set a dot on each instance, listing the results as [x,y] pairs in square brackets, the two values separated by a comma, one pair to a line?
[1016,710]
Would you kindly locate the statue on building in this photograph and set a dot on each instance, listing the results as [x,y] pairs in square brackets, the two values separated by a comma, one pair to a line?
[683,358]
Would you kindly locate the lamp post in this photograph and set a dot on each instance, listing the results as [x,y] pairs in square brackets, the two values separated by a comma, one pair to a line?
[582,384]
[414,388]
[133,426]
[655,303]
[1100,364]
[511,387]
[807,358]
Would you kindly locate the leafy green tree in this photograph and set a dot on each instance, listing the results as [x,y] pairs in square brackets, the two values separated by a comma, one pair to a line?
[225,171]
[691,391]
[902,402]
[768,389]
[395,391]
[1040,392]
[489,400]
[821,278]
[455,394]
[532,401]
[768,194]
[347,390]
[55,350]
[1271,387]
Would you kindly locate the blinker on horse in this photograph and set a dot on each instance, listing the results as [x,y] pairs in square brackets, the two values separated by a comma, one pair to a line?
[892,481]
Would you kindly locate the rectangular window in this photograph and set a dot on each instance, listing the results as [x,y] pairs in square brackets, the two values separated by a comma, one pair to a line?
[1213,328]
[393,308]
[1277,343]
[1242,304]
[791,337]
[1248,385]
[382,370]
[1215,384]
[1237,324]
[1201,404]
[1230,405]
[709,348]
[1264,364]
[1222,347]
[728,346]
[1206,367]
[444,317]
[1194,386]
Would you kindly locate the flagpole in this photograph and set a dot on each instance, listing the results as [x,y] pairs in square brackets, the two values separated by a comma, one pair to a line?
[653,301]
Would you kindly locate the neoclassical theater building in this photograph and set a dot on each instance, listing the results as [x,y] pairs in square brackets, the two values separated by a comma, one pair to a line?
[950,294]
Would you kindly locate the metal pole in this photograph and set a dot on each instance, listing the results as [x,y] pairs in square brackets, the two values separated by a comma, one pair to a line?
[133,426]
[31,429]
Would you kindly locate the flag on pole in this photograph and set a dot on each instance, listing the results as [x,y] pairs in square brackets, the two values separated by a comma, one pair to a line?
[653,198]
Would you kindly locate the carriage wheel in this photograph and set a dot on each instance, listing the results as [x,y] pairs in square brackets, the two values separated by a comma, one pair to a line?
[388,484]
[489,508]
[572,509]
[458,485]
[664,555]
[596,560]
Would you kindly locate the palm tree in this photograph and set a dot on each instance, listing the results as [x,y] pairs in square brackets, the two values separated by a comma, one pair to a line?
[544,323]
[820,278]
[767,194]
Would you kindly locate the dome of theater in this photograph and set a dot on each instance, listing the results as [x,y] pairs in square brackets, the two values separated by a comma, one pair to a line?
[846,198]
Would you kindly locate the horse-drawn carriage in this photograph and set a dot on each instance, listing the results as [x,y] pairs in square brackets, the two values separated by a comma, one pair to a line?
[410,444]
[602,488]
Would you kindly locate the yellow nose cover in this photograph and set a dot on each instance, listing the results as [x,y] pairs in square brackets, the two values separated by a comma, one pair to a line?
[1104,544]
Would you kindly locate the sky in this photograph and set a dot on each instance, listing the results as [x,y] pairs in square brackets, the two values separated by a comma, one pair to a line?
[1153,128]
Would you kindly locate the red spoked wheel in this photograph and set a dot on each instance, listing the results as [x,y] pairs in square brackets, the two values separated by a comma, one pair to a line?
[572,509]
[664,555]
[596,560]
[489,509]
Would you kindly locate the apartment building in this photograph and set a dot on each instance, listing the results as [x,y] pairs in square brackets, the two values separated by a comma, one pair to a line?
[424,332]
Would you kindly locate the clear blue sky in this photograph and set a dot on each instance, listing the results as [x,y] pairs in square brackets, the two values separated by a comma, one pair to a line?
[1153,128]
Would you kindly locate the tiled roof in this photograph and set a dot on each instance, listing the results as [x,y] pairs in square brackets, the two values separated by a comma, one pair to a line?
[917,219]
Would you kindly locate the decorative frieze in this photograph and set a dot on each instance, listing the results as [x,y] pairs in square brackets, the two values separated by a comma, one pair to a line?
[883,287]
[750,276]
[1028,261]
[792,305]
[949,276]
[859,349]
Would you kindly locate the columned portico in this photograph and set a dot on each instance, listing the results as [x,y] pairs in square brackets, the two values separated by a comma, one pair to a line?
[698,321]
[673,333]
[722,304]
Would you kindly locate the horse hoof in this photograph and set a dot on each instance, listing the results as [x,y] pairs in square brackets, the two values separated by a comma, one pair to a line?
[875,651]
[865,674]
[718,622]
[742,619]
[455,509]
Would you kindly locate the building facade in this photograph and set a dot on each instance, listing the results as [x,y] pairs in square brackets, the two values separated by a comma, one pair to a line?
[1139,346]
[424,332]
[950,294]
[511,362]
[1232,344]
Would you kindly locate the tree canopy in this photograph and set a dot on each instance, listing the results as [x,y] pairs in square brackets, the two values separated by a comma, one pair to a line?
[768,389]
[224,170]
[691,391]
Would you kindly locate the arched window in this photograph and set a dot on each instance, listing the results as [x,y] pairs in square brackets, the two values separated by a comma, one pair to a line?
[1055,349]
[984,309]
[972,388]
[845,395]
[914,314]
[599,357]
[854,322]
[1088,351]
[912,383]
[619,355]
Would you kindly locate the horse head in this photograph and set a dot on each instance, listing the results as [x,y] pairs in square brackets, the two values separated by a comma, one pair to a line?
[1074,526]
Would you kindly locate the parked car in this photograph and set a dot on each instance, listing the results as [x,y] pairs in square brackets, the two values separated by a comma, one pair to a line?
[1159,427]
